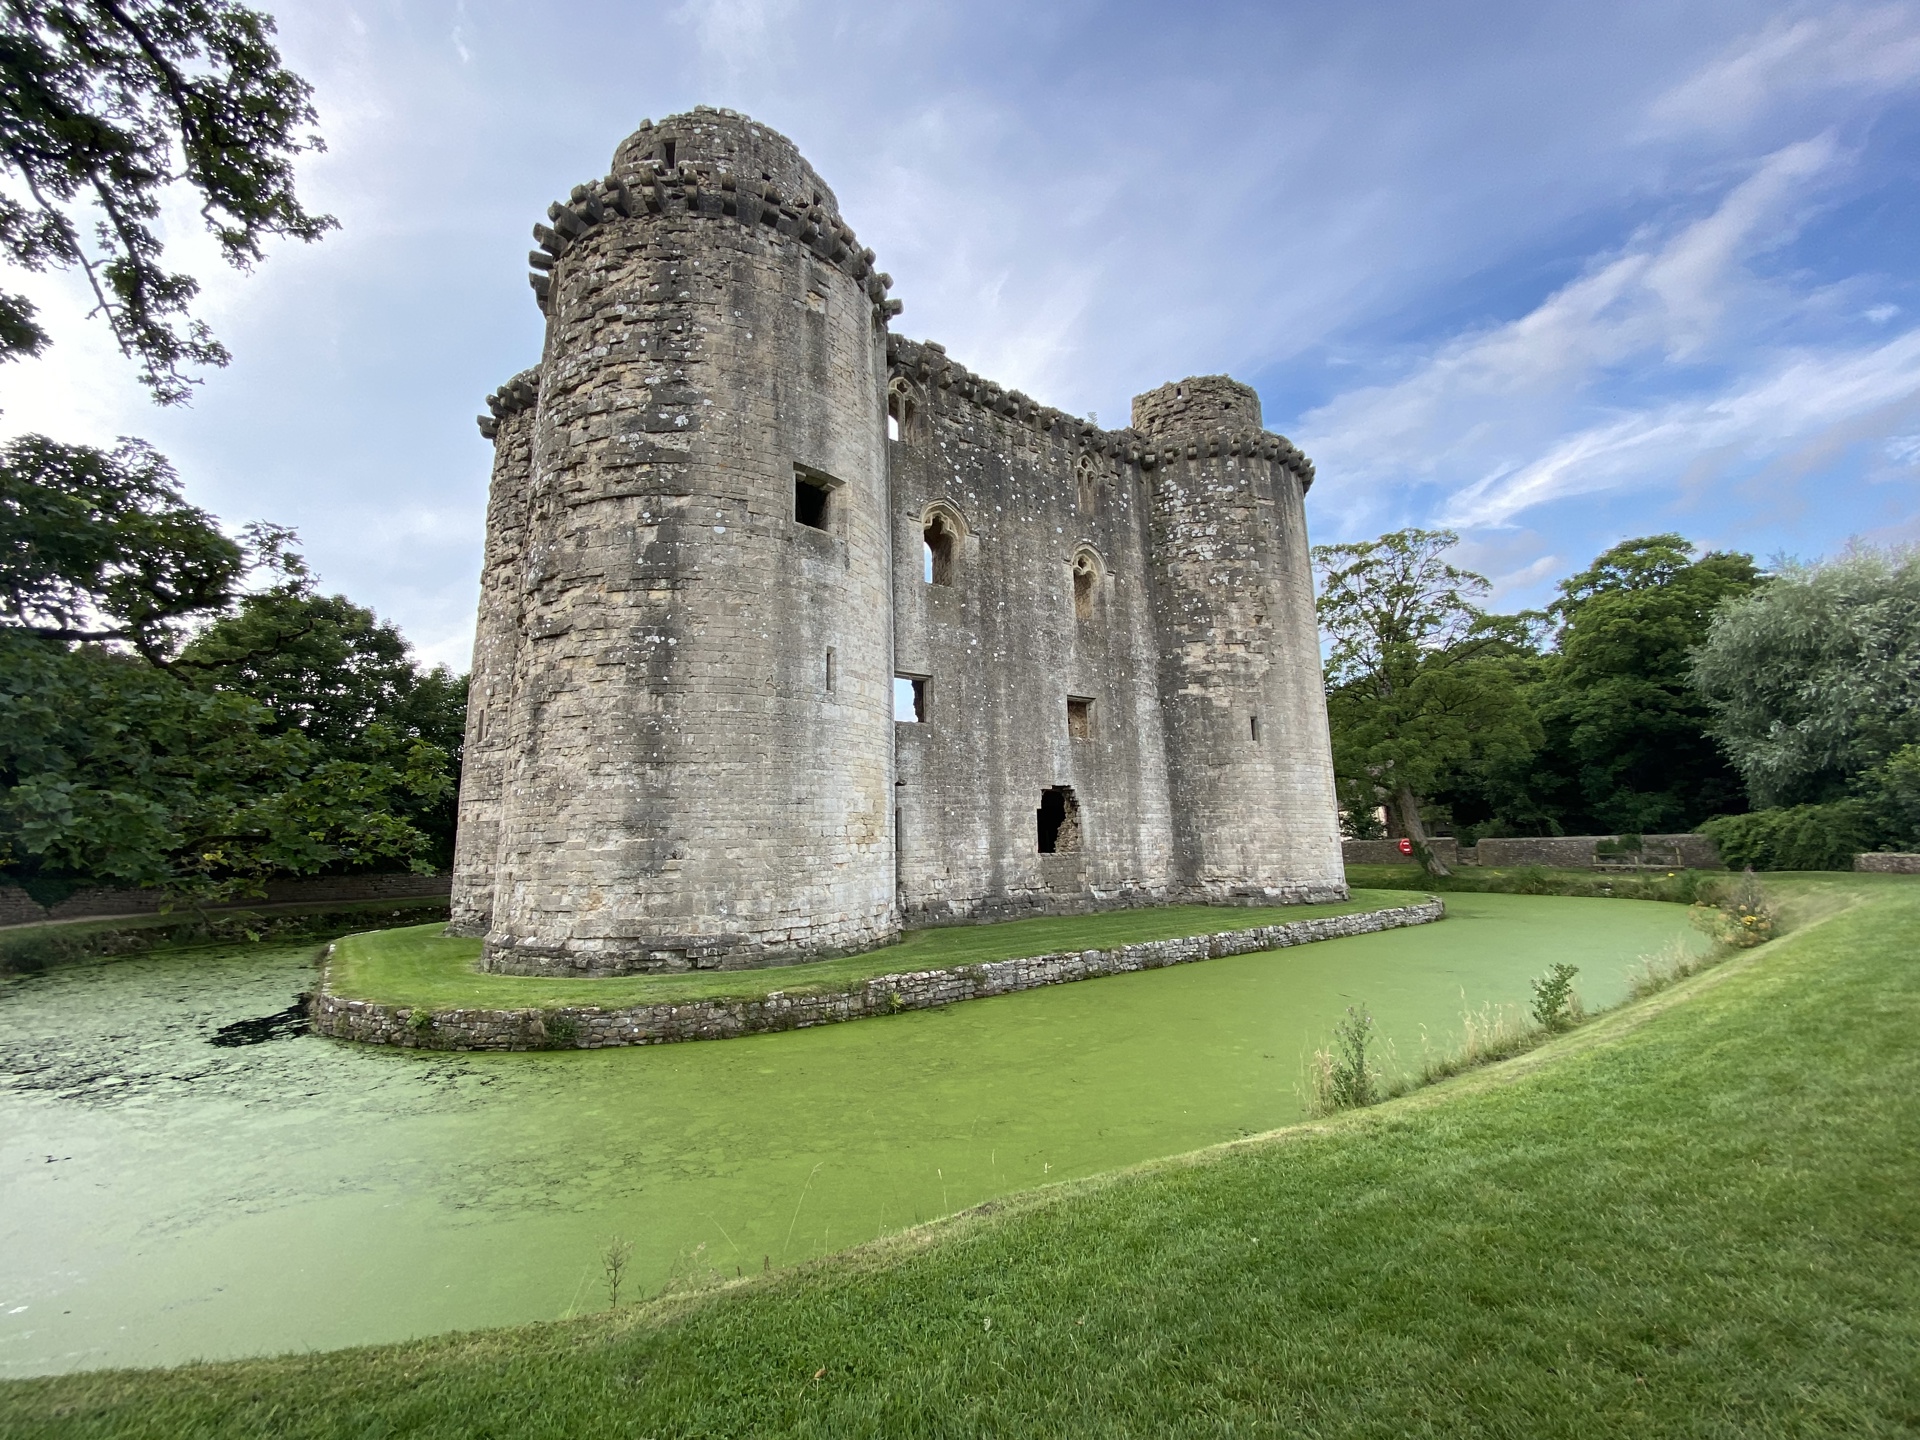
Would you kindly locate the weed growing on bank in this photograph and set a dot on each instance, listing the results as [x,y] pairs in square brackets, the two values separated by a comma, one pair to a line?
[1556,1005]
[1741,920]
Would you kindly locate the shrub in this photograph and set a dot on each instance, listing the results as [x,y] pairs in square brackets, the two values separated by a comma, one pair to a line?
[1555,1006]
[1794,837]
[1342,1077]
[1743,920]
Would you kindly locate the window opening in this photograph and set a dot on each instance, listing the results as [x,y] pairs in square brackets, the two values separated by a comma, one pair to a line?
[1089,487]
[1079,719]
[670,154]
[910,699]
[1253,727]
[1059,820]
[830,674]
[893,427]
[937,543]
[812,500]
[1085,573]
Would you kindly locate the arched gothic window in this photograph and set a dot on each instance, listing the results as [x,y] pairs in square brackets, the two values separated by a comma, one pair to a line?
[1086,584]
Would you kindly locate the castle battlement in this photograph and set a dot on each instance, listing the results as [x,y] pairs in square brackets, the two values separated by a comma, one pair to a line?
[794,631]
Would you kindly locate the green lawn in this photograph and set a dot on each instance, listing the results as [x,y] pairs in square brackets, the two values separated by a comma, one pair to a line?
[1693,1216]
[420,966]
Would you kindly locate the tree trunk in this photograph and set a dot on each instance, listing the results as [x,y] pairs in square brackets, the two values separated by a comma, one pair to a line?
[1407,805]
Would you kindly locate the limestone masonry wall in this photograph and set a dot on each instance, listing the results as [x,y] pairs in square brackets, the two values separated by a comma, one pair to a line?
[591,1028]
[731,510]
[1887,863]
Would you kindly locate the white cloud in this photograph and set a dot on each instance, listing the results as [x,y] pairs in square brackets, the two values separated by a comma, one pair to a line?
[1504,417]
[1862,51]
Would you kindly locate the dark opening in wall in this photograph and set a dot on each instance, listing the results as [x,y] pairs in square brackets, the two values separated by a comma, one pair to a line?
[812,498]
[1079,718]
[1089,487]
[1059,818]
[669,154]
[910,699]
[1253,727]
[830,675]
[939,540]
[1086,576]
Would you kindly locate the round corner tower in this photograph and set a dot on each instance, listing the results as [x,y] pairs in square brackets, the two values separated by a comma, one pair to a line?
[700,765]
[1249,765]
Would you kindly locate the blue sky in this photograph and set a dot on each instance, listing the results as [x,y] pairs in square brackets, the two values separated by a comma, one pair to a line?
[1549,275]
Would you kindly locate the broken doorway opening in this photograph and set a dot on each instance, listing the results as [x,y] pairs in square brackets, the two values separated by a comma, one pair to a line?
[1059,820]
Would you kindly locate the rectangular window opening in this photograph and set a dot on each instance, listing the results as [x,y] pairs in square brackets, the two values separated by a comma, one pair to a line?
[830,675]
[813,497]
[1079,718]
[910,699]
[669,155]
[1253,728]
[1059,820]
[893,427]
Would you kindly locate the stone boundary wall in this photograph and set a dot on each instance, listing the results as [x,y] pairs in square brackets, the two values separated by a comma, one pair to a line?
[1387,852]
[591,1028]
[1887,864]
[1562,852]
[94,903]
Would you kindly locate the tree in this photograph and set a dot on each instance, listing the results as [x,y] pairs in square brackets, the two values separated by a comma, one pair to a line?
[1630,730]
[1420,681]
[114,101]
[101,546]
[335,673]
[1814,680]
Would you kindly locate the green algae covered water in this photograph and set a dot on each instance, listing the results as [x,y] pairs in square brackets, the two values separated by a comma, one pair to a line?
[167,1194]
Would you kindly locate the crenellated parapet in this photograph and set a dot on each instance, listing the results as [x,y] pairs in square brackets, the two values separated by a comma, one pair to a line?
[1168,431]
[653,175]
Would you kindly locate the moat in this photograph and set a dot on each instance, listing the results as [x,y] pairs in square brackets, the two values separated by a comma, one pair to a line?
[170,1191]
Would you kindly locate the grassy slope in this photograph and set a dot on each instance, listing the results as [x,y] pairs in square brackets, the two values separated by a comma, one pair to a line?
[419,966]
[1691,1217]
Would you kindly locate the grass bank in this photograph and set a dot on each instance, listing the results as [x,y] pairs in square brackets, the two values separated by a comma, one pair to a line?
[419,966]
[1691,1217]
[1683,886]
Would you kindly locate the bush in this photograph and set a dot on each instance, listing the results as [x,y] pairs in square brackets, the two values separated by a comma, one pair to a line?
[1794,837]
[1555,1006]
[1743,920]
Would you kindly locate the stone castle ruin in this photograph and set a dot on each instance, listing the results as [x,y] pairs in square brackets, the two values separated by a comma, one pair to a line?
[732,514]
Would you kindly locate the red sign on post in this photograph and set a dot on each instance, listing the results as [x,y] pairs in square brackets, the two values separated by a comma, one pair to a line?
[1406,847]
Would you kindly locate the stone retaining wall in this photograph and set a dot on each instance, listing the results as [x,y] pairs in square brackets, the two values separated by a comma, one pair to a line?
[1560,852]
[591,1028]
[1888,864]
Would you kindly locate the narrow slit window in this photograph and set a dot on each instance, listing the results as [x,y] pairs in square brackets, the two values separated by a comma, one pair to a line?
[910,699]
[831,677]
[1085,577]
[1253,728]
[669,154]
[1079,718]
[1089,488]
[893,427]
[938,543]
[812,500]
[1058,820]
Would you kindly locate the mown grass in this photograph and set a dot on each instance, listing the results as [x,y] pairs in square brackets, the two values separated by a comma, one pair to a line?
[1690,1217]
[418,966]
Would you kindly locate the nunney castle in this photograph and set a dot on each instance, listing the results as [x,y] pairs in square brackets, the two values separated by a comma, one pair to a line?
[733,514]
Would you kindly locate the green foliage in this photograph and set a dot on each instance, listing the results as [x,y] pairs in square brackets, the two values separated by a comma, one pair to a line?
[1555,1005]
[1625,743]
[1342,1076]
[1420,681]
[1794,837]
[116,771]
[1814,681]
[100,545]
[1742,920]
[111,102]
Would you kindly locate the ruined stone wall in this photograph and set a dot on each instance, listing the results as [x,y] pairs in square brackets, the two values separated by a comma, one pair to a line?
[1249,765]
[1002,647]
[687,787]
[496,643]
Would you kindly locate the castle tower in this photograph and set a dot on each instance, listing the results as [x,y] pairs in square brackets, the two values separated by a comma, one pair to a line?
[496,643]
[1249,766]
[701,747]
